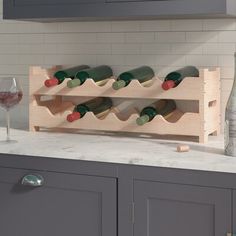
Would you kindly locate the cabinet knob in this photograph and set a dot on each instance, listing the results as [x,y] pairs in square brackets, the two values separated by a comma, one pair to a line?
[33,180]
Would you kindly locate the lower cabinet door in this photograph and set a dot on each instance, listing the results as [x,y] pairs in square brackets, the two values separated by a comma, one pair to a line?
[163,209]
[64,204]
[234,215]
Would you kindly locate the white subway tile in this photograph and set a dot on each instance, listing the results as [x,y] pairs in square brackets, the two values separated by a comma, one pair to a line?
[84,49]
[9,59]
[125,49]
[227,72]
[171,60]
[31,59]
[9,39]
[110,37]
[227,37]
[61,59]
[186,48]
[226,85]
[139,60]
[112,60]
[31,38]
[186,25]
[201,60]
[142,37]
[201,37]
[125,26]
[156,48]
[157,25]
[95,26]
[31,49]
[14,70]
[9,49]
[170,37]
[70,38]
[165,45]
[226,61]
[219,24]
[218,48]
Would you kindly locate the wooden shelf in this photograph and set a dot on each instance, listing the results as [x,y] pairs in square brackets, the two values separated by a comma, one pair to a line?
[52,114]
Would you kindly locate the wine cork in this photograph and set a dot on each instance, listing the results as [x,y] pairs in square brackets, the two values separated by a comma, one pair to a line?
[183,148]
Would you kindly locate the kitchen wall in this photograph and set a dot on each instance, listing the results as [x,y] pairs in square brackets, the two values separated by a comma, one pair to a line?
[163,44]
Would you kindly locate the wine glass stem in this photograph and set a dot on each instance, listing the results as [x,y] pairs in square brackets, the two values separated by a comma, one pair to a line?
[8,124]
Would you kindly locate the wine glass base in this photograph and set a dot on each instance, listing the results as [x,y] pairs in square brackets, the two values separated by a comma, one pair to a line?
[2,142]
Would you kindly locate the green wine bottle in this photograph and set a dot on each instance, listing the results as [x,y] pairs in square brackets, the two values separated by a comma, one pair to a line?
[162,107]
[174,78]
[142,74]
[61,75]
[96,105]
[97,74]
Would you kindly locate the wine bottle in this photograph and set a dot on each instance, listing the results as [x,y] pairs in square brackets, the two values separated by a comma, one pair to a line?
[61,75]
[230,121]
[174,78]
[97,74]
[96,105]
[162,107]
[142,74]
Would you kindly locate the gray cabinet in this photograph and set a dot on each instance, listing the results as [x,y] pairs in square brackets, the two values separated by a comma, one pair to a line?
[54,2]
[234,214]
[174,209]
[66,204]
[54,10]
[105,199]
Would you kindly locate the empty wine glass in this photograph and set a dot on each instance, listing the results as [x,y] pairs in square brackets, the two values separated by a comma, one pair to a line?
[10,95]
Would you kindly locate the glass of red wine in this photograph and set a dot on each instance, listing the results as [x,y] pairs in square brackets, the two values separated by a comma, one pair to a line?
[10,95]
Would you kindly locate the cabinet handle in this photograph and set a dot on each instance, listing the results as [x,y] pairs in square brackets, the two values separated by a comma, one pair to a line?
[33,180]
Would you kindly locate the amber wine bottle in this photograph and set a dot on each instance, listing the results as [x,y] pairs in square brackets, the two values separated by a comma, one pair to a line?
[162,107]
[97,74]
[142,74]
[174,78]
[96,105]
[61,75]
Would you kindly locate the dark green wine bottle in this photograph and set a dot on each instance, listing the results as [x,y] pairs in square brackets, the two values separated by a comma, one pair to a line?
[61,75]
[97,74]
[162,107]
[142,74]
[174,78]
[96,105]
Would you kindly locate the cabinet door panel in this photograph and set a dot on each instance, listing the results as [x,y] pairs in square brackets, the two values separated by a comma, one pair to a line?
[234,213]
[65,205]
[138,0]
[54,2]
[171,209]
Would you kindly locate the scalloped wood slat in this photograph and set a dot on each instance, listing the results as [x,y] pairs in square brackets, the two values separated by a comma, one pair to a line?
[205,90]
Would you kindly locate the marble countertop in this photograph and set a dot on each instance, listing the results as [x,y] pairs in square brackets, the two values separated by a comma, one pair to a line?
[125,150]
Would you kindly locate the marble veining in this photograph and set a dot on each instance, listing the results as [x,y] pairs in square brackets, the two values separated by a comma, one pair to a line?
[117,149]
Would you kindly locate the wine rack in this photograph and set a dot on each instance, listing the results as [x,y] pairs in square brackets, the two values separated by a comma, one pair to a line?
[51,114]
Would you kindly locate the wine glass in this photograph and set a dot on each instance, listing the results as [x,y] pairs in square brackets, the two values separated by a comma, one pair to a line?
[10,95]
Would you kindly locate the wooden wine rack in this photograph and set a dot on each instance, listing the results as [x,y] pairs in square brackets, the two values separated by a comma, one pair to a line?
[53,113]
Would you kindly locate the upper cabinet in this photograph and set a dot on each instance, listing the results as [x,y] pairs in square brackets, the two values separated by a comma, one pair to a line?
[53,10]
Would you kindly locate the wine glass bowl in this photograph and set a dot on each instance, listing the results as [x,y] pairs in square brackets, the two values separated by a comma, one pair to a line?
[10,95]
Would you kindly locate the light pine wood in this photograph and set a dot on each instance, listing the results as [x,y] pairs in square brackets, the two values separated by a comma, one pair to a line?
[53,113]
[183,148]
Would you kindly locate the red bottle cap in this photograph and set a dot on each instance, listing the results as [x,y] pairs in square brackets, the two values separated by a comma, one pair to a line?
[168,84]
[51,82]
[74,116]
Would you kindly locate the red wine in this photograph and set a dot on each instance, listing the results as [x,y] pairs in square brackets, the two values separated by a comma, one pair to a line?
[9,100]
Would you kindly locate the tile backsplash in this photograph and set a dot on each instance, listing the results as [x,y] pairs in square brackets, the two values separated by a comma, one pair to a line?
[163,44]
